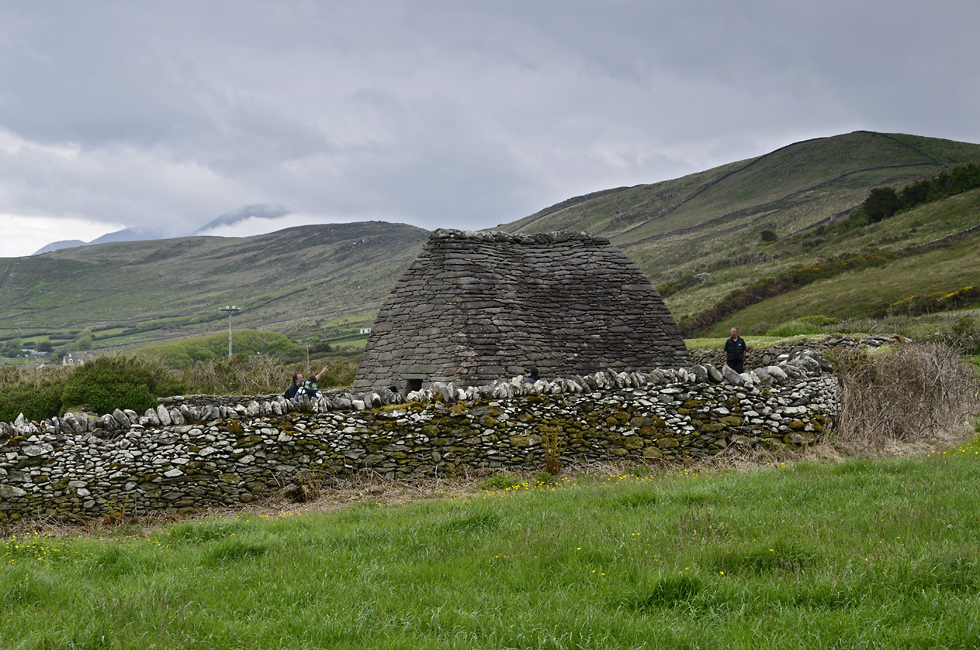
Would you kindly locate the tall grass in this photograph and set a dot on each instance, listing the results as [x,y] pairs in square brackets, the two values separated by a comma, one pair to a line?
[260,374]
[860,554]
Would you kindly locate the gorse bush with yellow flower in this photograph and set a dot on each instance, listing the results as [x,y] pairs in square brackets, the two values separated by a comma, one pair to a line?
[916,305]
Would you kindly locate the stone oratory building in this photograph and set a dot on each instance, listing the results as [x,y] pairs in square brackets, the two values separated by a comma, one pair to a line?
[479,306]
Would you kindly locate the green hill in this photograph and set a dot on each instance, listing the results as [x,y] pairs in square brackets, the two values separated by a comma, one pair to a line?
[711,223]
[304,281]
[792,188]
[324,282]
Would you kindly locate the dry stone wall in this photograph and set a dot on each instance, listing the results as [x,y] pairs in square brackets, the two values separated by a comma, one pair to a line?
[195,452]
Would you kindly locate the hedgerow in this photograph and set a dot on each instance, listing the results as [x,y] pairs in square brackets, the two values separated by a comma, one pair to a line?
[794,278]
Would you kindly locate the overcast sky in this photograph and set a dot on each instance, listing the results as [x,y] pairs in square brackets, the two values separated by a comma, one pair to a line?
[452,113]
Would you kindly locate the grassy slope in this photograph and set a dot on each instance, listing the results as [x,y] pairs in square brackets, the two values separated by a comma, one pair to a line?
[287,281]
[324,280]
[947,267]
[854,294]
[854,555]
[795,186]
[711,221]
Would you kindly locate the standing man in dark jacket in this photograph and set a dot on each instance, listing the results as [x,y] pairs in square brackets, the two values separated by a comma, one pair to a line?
[735,349]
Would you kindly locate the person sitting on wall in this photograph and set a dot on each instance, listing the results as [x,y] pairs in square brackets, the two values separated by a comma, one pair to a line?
[735,350]
[293,387]
[308,386]
[532,376]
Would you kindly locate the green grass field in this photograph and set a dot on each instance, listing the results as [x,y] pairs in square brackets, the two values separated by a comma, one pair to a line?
[858,554]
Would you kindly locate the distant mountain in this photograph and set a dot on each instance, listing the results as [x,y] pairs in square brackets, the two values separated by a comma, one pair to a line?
[58,245]
[269,211]
[127,234]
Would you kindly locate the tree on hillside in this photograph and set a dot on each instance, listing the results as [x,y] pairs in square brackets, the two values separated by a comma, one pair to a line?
[11,348]
[915,193]
[84,340]
[881,203]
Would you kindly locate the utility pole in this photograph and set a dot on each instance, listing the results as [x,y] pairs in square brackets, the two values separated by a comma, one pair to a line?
[231,310]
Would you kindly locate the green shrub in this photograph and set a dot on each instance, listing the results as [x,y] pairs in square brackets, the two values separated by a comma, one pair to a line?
[33,391]
[947,183]
[857,218]
[35,402]
[545,478]
[120,381]
[500,481]
[881,203]
[793,328]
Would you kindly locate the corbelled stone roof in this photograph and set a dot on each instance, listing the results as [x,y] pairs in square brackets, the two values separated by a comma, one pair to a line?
[475,307]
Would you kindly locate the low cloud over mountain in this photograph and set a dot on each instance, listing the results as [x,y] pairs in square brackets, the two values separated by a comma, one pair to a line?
[230,220]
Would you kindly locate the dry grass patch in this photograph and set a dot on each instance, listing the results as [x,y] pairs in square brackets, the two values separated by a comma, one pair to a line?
[908,393]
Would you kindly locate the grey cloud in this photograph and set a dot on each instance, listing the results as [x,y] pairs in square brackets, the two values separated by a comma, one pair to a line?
[444,113]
